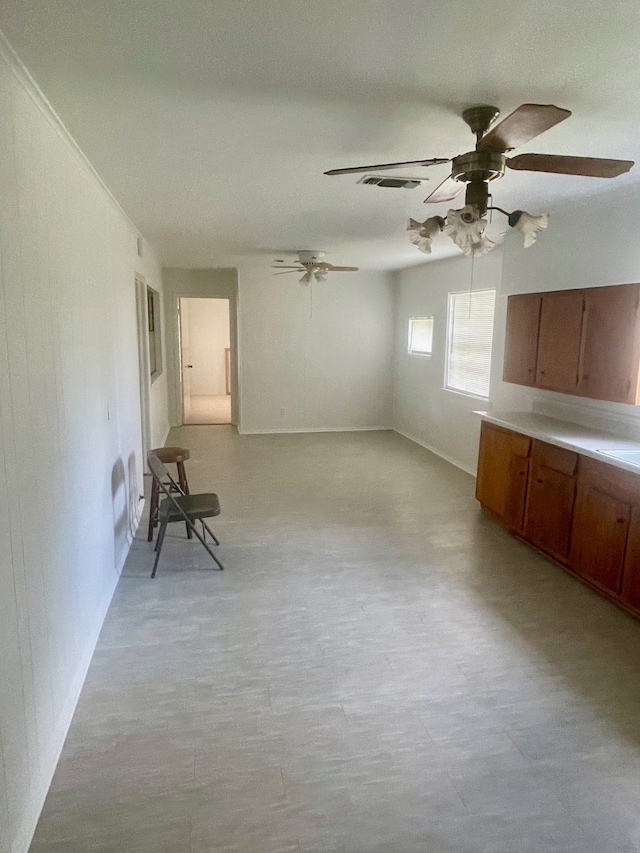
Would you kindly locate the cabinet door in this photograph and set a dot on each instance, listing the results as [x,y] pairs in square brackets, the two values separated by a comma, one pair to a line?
[503,467]
[631,575]
[611,344]
[550,499]
[521,341]
[559,340]
[600,528]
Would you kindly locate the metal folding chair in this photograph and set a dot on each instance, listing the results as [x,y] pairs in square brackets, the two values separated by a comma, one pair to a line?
[178,506]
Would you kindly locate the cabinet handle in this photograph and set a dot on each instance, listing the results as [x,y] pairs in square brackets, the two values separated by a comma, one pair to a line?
[538,481]
[620,520]
[542,373]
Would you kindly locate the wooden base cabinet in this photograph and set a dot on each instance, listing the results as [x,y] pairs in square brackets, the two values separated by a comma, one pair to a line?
[503,471]
[582,512]
[550,499]
[630,593]
[608,499]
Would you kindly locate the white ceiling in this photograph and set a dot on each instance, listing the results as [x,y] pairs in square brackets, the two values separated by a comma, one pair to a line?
[212,121]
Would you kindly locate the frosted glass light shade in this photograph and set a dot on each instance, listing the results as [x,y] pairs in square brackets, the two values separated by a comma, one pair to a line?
[466,229]
[421,234]
[528,225]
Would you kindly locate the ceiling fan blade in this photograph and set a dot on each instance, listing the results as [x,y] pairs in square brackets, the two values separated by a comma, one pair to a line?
[590,167]
[283,267]
[288,272]
[446,191]
[434,161]
[342,269]
[523,124]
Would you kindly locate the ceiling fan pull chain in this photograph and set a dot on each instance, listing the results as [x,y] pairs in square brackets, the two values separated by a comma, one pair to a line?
[473,262]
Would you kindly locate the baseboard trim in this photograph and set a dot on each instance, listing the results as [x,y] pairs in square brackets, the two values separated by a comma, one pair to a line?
[315,429]
[437,452]
[41,786]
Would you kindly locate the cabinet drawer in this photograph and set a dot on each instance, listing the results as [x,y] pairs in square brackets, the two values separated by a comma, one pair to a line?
[520,445]
[556,458]
[616,481]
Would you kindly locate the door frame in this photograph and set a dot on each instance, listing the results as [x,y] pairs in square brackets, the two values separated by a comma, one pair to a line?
[144,365]
[219,283]
[181,365]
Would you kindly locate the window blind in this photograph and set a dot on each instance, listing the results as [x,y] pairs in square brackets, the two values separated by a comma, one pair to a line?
[420,335]
[470,337]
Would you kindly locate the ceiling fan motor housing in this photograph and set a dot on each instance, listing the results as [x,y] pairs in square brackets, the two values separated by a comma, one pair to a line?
[310,258]
[478,166]
[476,169]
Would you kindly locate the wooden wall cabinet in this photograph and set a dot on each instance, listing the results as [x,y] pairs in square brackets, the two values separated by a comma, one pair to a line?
[610,356]
[583,342]
[521,343]
[559,341]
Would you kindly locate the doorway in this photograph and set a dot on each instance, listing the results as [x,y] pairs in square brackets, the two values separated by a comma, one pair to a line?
[205,360]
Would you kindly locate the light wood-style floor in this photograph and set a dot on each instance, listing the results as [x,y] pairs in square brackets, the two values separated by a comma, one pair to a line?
[379,668]
[207,409]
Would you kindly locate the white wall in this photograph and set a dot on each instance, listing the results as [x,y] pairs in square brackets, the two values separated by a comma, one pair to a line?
[590,242]
[69,433]
[319,359]
[423,409]
[306,365]
[206,322]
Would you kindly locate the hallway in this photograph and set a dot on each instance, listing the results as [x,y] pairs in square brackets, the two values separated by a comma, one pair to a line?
[207,409]
[379,668]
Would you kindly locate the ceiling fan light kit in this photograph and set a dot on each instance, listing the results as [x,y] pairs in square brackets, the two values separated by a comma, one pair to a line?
[474,170]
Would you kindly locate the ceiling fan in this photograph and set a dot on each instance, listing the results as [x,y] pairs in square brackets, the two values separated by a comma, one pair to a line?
[312,266]
[487,161]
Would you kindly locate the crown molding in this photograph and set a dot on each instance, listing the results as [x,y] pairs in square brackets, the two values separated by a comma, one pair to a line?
[27,82]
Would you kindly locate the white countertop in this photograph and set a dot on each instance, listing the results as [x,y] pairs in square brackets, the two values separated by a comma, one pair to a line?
[589,442]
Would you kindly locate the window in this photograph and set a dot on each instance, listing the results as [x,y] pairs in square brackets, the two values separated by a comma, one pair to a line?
[153,318]
[420,335]
[469,341]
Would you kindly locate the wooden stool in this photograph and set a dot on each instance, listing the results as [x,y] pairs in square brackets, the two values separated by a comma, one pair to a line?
[167,455]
